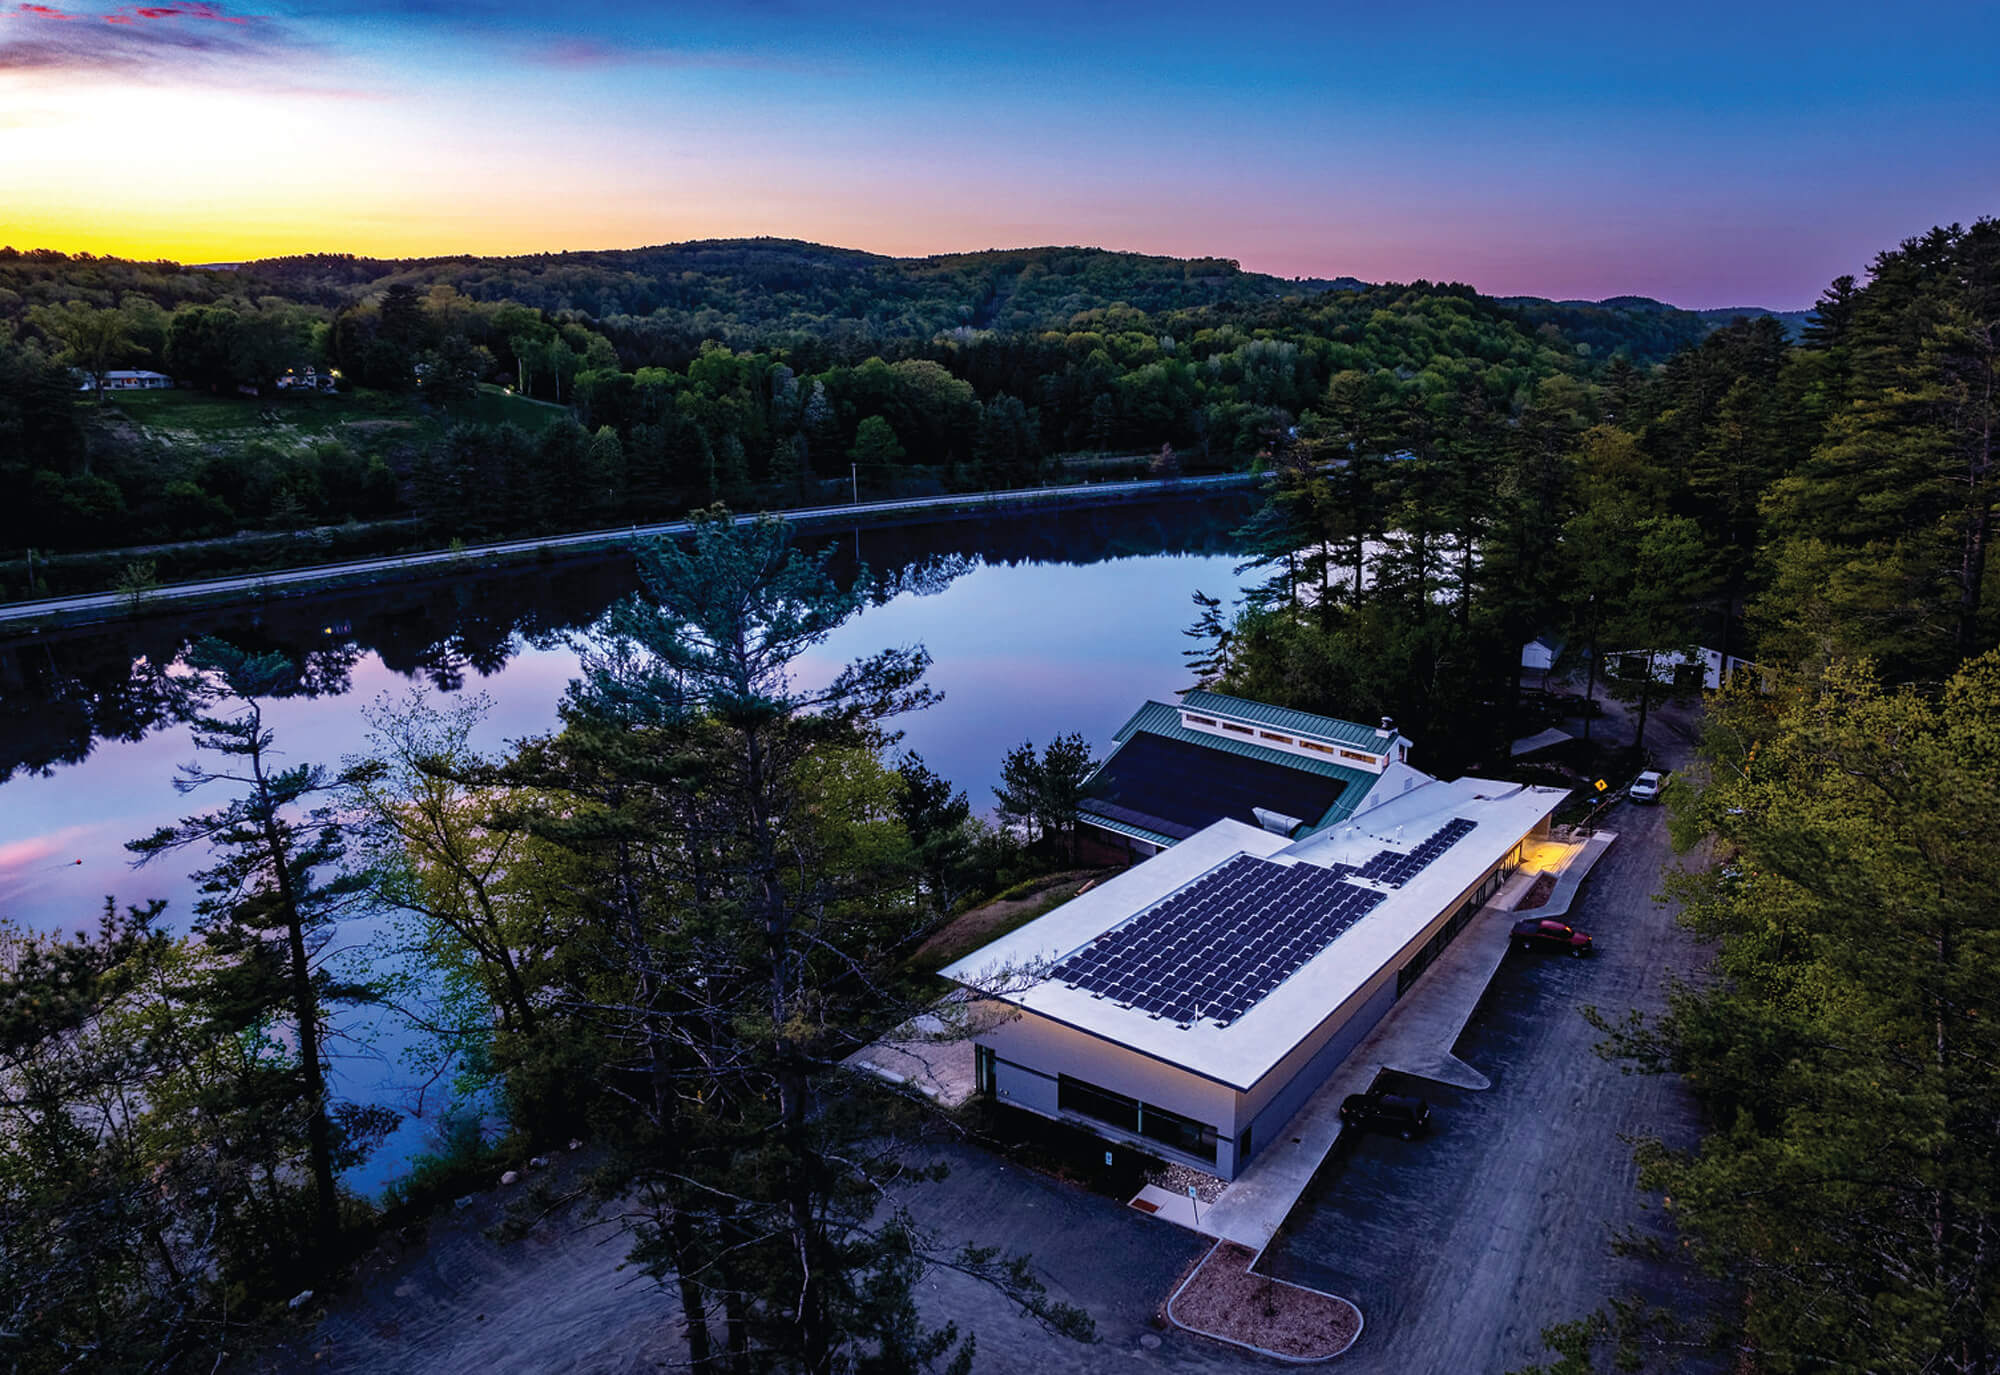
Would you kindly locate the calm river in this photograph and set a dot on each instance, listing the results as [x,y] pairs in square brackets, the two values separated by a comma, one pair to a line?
[1038,625]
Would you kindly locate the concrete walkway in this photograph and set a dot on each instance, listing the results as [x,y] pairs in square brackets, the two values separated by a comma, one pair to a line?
[1416,1037]
[1178,1209]
[1572,875]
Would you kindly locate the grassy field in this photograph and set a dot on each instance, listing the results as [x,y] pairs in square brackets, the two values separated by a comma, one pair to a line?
[198,420]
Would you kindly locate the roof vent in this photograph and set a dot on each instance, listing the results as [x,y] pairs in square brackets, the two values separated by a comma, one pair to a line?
[1387,729]
[1276,822]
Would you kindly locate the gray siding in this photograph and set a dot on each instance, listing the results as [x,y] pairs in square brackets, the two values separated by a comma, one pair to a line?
[1031,1051]
[1266,1126]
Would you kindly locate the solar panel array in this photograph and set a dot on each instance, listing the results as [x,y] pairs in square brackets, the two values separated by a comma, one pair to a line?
[1396,868]
[1218,946]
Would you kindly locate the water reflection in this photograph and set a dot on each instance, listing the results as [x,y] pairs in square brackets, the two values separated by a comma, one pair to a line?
[63,692]
[1036,625]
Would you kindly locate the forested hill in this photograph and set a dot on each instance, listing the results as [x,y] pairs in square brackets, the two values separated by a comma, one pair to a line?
[758,292]
[742,371]
[738,286]
[786,284]
[1644,329]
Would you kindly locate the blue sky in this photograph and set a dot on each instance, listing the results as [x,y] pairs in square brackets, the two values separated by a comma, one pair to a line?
[1707,154]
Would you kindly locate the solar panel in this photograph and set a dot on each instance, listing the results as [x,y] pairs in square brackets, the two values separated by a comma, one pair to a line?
[1220,945]
[1396,868]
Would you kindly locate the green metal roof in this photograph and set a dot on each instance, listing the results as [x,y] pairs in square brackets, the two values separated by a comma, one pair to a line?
[1284,718]
[1125,828]
[1160,718]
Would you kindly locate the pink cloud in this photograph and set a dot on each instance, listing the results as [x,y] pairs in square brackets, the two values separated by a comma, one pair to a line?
[43,851]
[181,39]
[190,11]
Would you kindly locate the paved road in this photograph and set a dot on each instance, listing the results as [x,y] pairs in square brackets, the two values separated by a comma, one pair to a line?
[98,603]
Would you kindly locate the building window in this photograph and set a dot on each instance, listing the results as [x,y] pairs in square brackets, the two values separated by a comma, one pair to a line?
[1240,730]
[1170,1129]
[1367,759]
[1175,1132]
[1112,1109]
[1318,748]
[1434,947]
[1281,739]
[1200,721]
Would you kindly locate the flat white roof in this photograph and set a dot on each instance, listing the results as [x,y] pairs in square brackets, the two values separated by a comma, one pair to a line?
[1245,1051]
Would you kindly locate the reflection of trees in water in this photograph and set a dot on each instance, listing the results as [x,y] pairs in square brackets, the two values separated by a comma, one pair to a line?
[56,703]
[62,692]
[921,577]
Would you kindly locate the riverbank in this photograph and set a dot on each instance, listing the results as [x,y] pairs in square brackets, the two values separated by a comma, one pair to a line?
[34,616]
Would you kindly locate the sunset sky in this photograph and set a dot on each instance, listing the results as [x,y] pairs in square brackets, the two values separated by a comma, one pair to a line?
[1707,154]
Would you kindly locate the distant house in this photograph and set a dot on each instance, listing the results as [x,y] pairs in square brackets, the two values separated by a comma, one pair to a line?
[1683,667]
[308,379]
[131,379]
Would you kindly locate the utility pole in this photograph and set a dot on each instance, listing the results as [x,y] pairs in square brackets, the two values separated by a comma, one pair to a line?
[854,475]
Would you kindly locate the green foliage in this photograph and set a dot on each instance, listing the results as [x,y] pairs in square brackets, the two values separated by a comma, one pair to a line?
[1879,540]
[1846,1053]
[935,819]
[1042,793]
[875,444]
[268,912]
[726,371]
[92,339]
[136,583]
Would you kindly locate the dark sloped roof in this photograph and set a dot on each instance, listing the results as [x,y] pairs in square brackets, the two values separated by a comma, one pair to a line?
[1158,718]
[1177,786]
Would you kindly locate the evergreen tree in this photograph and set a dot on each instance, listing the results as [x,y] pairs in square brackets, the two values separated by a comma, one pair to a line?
[269,907]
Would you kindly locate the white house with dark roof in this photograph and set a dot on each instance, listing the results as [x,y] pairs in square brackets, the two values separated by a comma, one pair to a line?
[1176,768]
[1190,1005]
[128,379]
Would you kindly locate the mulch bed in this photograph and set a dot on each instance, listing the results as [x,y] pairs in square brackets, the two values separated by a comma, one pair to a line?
[1538,893]
[1224,1300]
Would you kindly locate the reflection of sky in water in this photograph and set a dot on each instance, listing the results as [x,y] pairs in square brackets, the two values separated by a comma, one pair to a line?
[1022,651]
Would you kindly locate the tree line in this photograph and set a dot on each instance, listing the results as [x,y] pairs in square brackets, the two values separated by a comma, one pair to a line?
[684,387]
